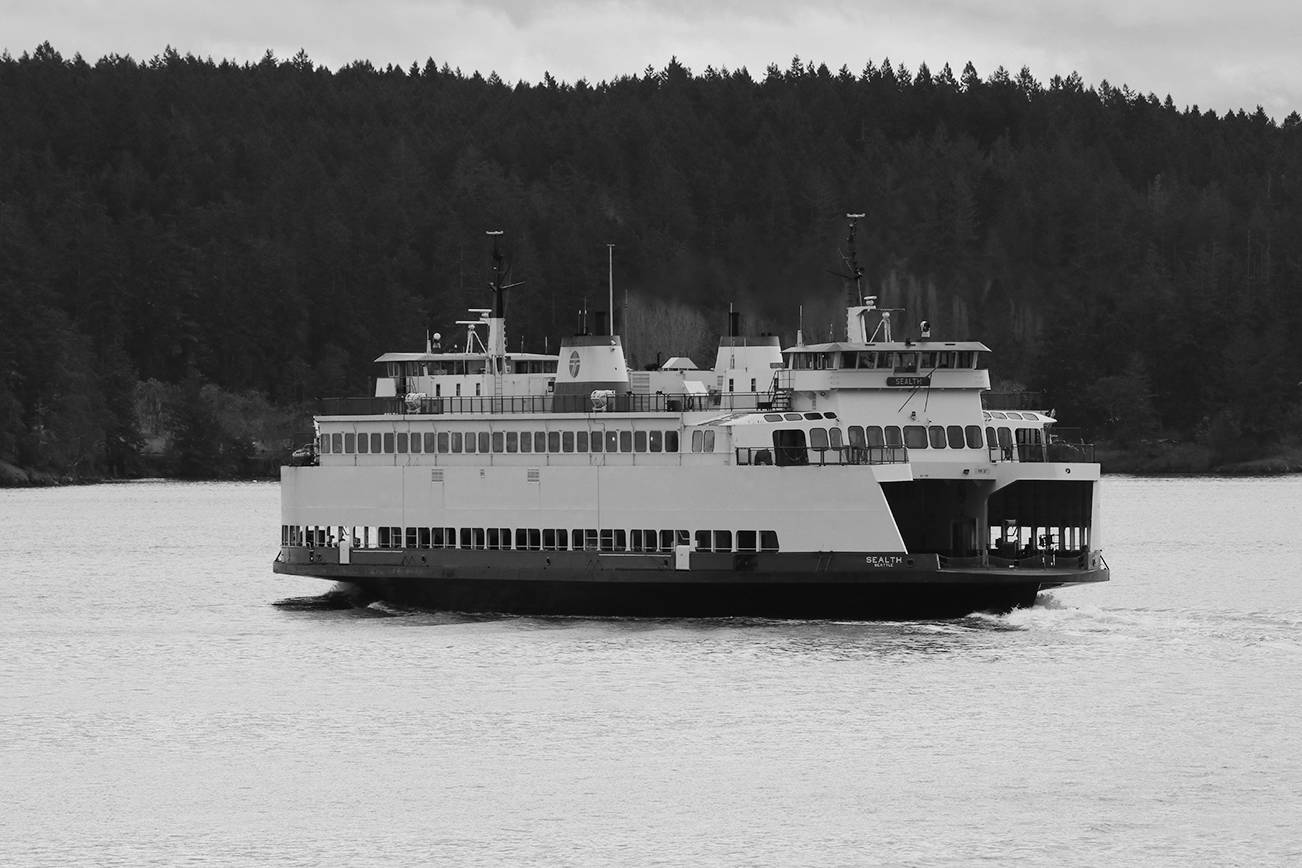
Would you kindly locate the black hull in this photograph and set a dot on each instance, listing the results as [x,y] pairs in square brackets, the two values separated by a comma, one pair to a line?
[702,599]
[585,585]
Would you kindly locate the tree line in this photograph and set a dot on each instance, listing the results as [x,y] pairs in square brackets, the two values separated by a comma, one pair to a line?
[254,235]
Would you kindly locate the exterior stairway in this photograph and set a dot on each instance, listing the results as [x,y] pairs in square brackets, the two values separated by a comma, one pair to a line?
[781,391]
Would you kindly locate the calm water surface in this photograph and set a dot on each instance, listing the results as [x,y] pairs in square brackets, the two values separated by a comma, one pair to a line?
[155,708]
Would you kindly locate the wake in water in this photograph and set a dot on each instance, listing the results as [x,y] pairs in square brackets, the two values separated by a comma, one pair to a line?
[342,597]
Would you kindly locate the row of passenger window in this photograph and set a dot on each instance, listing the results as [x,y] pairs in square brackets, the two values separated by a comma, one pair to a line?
[930,436]
[530,539]
[456,442]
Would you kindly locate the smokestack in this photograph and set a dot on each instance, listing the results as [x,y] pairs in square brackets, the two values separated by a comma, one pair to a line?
[734,323]
[603,324]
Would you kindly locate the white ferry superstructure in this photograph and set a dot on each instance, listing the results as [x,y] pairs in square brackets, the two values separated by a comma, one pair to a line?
[859,479]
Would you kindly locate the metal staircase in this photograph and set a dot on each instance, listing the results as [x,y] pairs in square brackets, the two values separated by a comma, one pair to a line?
[780,396]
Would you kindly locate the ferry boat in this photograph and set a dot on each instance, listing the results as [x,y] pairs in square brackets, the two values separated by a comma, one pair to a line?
[857,479]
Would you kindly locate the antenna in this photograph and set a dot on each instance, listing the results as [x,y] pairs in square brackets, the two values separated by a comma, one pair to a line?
[610,260]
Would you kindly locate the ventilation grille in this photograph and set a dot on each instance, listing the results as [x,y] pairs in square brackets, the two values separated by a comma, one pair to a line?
[533,475]
[436,475]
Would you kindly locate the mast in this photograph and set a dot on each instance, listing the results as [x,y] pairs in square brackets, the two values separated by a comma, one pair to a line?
[495,350]
[855,329]
[853,280]
[610,260]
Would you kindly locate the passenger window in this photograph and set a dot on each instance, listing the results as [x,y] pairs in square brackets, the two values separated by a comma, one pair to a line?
[415,442]
[893,438]
[834,437]
[388,442]
[580,441]
[499,441]
[973,433]
[363,444]
[540,441]
[483,441]
[512,441]
[915,436]
[596,440]
[350,442]
[666,540]
[612,441]
[955,435]
[553,441]
[639,441]
[470,441]
[567,441]
[657,441]
[747,541]
[723,540]
[429,443]
[671,441]
[456,441]
[873,436]
[526,441]
[991,439]
[818,438]
[768,540]
[337,440]
[375,443]
[703,538]
[936,435]
[698,440]
[709,440]
[402,443]
[856,436]
[442,438]
[1005,438]
[625,441]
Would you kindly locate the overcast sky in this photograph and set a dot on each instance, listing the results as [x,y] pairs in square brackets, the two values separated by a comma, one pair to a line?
[1214,53]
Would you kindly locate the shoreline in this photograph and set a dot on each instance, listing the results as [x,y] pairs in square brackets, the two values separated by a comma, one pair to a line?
[1113,464]
[14,476]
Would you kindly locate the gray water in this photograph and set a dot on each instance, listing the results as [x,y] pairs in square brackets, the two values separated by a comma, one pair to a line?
[156,708]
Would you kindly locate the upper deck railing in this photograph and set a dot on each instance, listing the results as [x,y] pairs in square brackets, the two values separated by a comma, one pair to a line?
[413,405]
[801,456]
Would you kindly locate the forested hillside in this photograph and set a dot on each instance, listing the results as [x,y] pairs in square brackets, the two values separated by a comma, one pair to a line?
[187,246]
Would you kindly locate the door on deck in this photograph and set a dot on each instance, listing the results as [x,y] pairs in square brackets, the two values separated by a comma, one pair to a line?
[963,537]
